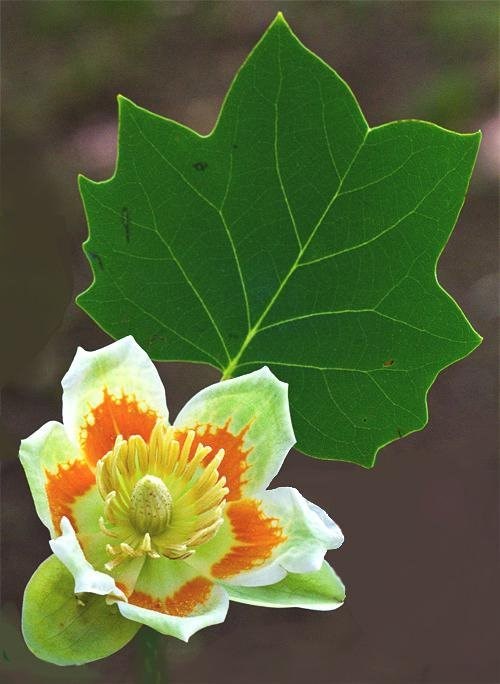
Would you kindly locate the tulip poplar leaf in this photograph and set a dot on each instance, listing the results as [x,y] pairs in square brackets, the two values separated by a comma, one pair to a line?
[293,236]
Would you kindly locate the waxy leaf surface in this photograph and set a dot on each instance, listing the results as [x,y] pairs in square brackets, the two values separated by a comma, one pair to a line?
[294,235]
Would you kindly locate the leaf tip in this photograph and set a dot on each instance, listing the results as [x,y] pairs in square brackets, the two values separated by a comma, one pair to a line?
[279,20]
[478,340]
[124,103]
[475,136]
[478,136]
[368,460]
[82,181]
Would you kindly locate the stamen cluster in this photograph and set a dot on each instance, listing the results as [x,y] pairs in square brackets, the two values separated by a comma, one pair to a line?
[160,498]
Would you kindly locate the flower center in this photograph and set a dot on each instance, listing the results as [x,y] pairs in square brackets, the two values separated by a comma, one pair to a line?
[161,498]
[150,505]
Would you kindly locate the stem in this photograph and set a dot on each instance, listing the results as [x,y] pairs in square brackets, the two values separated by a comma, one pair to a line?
[151,652]
[231,367]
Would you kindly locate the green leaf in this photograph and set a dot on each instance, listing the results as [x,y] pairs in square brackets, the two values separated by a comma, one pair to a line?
[294,236]
[60,629]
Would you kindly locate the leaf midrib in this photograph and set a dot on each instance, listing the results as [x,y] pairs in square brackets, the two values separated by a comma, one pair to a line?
[253,330]
[227,372]
[233,361]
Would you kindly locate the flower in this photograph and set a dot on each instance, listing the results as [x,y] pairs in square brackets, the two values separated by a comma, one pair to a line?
[168,522]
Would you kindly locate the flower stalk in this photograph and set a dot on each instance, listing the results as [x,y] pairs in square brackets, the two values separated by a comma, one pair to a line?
[152,663]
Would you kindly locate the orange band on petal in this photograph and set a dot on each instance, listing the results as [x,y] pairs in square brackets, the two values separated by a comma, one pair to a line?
[122,587]
[126,588]
[258,535]
[182,603]
[63,487]
[114,416]
[234,464]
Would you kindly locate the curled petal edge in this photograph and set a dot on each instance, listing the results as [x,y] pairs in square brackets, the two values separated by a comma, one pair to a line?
[67,548]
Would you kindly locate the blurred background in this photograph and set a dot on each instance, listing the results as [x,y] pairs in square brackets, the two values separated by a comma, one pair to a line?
[420,559]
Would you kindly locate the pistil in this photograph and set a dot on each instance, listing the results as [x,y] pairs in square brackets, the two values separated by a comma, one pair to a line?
[150,505]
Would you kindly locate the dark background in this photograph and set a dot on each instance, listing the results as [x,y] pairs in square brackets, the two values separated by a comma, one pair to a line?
[420,559]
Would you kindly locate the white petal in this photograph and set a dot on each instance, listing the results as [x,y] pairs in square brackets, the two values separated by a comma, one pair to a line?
[117,387]
[263,538]
[69,552]
[249,418]
[174,599]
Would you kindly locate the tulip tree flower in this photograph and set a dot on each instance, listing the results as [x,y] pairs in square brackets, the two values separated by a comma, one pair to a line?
[161,524]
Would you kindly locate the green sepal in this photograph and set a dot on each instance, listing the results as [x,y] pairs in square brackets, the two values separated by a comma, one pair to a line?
[320,590]
[59,629]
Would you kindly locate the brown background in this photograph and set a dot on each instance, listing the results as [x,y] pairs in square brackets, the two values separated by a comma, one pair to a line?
[421,554]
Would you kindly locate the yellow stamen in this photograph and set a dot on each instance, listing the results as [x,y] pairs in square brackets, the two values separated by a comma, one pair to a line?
[159,499]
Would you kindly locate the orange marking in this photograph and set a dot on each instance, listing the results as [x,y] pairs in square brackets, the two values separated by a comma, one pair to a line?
[127,590]
[112,417]
[71,481]
[258,535]
[183,602]
[122,587]
[234,464]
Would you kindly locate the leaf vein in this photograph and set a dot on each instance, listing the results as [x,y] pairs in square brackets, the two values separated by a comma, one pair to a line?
[179,265]
[276,145]
[223,221]
[352,248]
[163,324]
[356,311]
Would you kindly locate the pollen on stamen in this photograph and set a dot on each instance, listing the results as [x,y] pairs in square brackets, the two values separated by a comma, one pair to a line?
[159,499]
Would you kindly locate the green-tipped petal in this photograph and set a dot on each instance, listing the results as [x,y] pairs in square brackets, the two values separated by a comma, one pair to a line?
[263,538]
[320,590]
[87,579]
[56,472]
[110,391]
[249,418]
[64,630]
[174,599]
